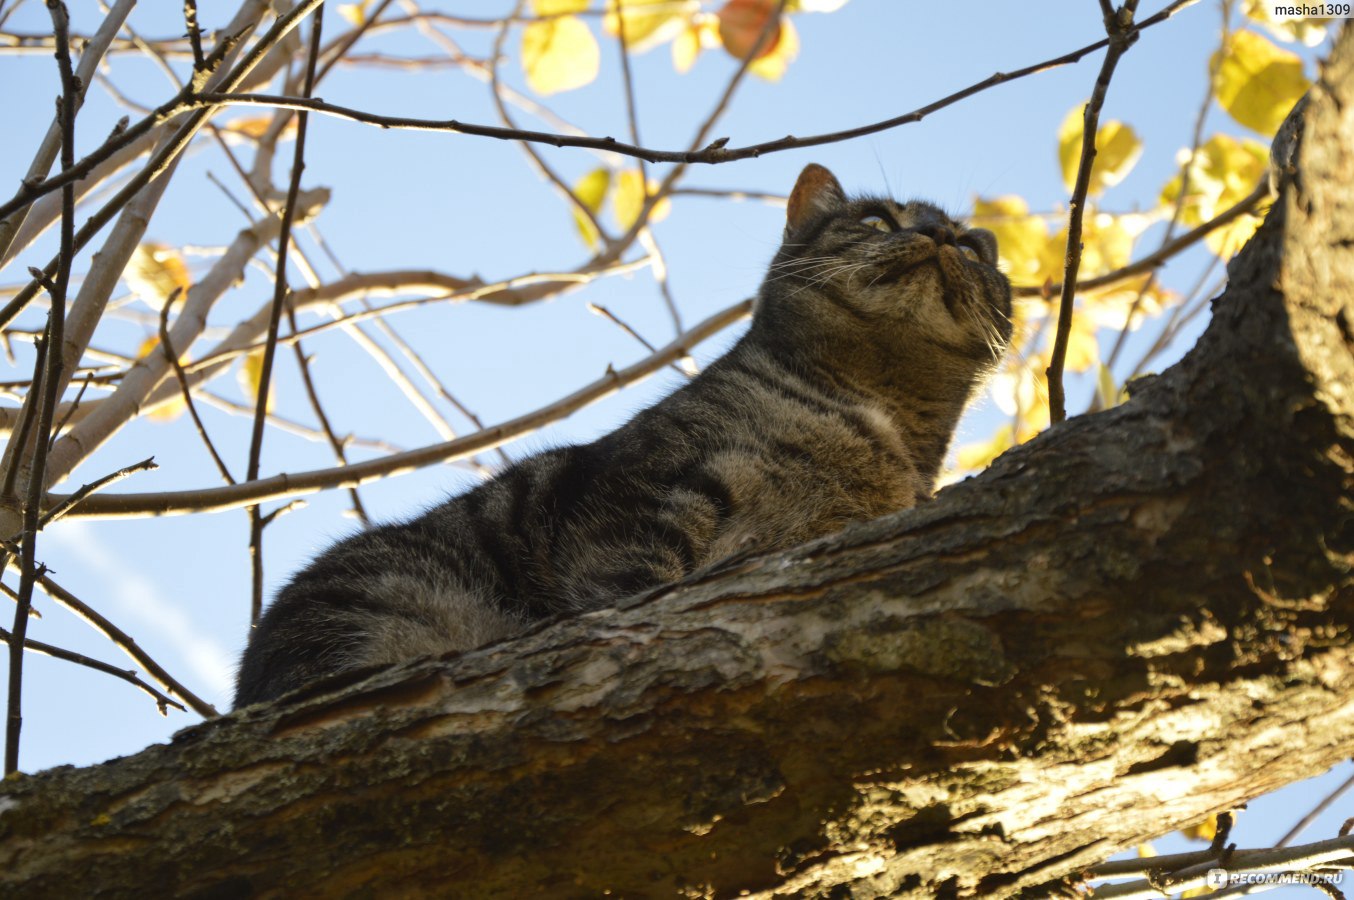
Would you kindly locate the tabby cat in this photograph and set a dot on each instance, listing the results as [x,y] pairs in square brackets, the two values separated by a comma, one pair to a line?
[875,324]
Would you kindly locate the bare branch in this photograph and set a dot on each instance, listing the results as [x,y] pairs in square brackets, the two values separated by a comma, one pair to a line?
[275,318]
[128,675]
[1121,37]
[167,347]
[294,485]
[51,143]
[126,643]
[56,513]
[710,155]
[44,401]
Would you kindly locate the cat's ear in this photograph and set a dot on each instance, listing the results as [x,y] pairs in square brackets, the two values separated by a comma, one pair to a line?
[817,191]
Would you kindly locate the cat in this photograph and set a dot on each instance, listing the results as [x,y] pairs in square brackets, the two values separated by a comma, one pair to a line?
[874,326]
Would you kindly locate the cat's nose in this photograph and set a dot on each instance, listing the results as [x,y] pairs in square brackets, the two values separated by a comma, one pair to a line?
[941,234]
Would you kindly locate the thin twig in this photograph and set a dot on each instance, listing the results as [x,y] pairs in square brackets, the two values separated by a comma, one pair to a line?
[1121,37]
[335,443]
[1316,811]
[1184,871]
[126,644]
[94,49]
[56,513]
[712,154]
[279,297]
[128,675]
[194,34]
[496,92]
[46,404]
[285,486]
[1186,174]
[167,347]
[164,158]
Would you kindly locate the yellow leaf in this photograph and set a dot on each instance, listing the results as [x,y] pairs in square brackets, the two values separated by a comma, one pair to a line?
[1106,244]
[591,190]
[1083,350]
[559,54]
[1109,307]
[154,272]
[356,13]
[169,410]
[772,66]
[818,6]
[1223,173]
[649,23]
[1145,850]
[685,48]
[1117,150]
[1306,31]
[558,7]
[1021,237]
[1257,82]
[250,126]
[250,374]
[975,457]
[1021,391]
[1202,831]
[148,345]
[629,198]
[1109,397]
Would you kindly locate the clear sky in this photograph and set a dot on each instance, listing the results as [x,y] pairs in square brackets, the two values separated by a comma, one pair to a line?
[465,206]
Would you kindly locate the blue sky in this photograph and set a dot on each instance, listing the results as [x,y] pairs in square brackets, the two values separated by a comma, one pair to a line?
[468,206]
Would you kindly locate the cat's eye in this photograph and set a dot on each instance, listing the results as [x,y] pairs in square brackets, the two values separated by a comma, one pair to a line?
[877,222]
[970,253]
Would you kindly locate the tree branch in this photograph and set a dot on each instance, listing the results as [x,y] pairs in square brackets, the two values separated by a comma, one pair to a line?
[298,484]
[1119,26]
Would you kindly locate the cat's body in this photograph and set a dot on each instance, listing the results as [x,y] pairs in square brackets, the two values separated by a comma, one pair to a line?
[874,326]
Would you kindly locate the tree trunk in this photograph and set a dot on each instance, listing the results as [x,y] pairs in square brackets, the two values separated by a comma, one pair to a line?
[1141,617]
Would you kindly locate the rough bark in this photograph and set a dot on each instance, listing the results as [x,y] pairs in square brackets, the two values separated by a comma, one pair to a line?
[1140,617]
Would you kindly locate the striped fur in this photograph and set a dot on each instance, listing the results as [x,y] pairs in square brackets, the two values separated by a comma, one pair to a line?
[874,325]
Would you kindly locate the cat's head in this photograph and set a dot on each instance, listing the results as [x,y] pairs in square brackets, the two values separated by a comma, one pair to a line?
[891,271]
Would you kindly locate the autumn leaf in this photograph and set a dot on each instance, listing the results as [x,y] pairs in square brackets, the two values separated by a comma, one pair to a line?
[172,408]
[154,272]
[1223,173]
[1109,307]
[1257,82]
[1307,31]
[977,456]
[649,23]
[559,54]
[701,33]
[1021,391]
[1022,239]
[1083,350]
[1117,151]
[741,23]
[591,191]
[772,66]
[558,7]
[1106,392]
[1106,243]
[1202,831]
[355,13]
[628,199]
[250,374]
